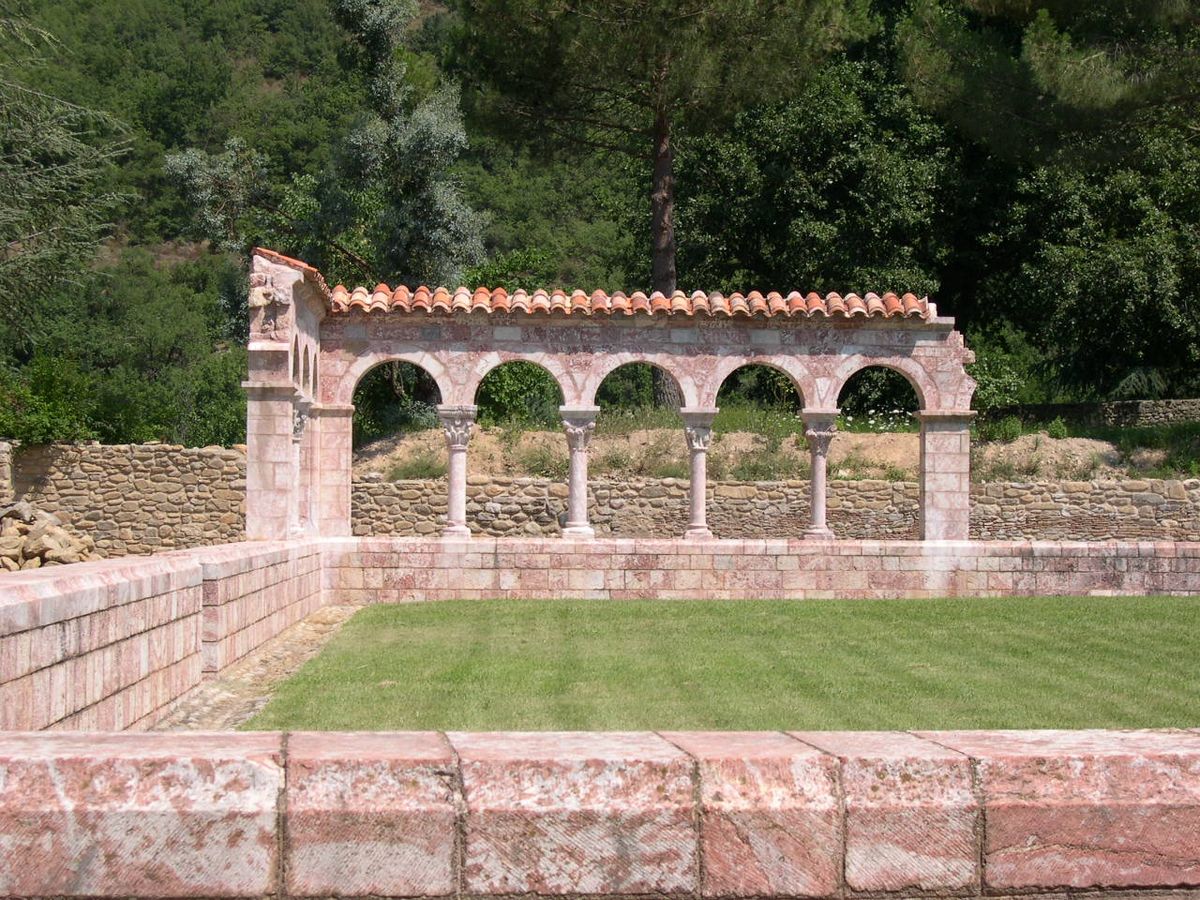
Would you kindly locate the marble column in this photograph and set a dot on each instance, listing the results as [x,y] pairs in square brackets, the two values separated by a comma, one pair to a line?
[578,422]
[697,428]
[819,428]
[457,422]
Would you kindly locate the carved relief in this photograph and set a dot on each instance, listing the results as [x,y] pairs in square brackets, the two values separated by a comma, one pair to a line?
[271,311]
[579,431]
[819,434]
[698,436]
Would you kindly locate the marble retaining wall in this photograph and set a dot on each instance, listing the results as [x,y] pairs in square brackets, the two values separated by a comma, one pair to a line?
[625,815]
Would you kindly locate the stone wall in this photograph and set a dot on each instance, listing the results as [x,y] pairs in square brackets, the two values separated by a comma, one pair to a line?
[1106,814]
[399,570]
[7,494]
[1123,413]
[138,498]
[1097,510]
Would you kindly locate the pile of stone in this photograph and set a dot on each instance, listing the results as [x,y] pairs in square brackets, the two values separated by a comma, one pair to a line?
[30,539]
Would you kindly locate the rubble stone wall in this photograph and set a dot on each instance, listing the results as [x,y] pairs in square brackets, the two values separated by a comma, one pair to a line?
[145,498]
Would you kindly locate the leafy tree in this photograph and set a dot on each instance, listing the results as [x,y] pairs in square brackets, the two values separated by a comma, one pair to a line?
[386,205]
[55,161]
[633,76]
[1028,78]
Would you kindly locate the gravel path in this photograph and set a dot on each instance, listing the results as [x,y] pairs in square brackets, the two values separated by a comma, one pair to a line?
[245,687]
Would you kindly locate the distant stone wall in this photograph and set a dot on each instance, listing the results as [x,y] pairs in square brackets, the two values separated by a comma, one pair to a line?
[1124,413]
[143,498]
[138,498]
[1085,510]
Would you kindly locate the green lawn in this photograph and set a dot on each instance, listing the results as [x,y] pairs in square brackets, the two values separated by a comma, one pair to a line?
[542,665]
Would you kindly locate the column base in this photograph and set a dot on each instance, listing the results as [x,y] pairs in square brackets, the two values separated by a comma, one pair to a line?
[578,531]
[456,531]
[702,534]
[818,533]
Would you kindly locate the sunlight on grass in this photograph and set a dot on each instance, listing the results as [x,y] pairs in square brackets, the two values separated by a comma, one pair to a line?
[543,665]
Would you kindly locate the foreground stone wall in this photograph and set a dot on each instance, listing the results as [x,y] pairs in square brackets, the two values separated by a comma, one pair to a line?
[114,644]
[676,814]
[146,498]
[138,498]
[877,510]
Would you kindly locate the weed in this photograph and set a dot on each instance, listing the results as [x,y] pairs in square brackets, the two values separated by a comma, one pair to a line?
[1006,430]
[543,462]
[422,466]
[1057,429]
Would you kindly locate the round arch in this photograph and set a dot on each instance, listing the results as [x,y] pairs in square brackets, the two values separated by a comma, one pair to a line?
[296,360]
[349,381]
[537,405]
[764,364]
[492,361]
[306,373]
[913,373]
[596,376]
[792,367]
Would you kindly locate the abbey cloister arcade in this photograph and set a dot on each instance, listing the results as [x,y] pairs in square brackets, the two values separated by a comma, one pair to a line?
[310,345]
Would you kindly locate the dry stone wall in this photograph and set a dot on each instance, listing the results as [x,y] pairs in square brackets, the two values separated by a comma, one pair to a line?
[146,498]
[1123,413]
[138,498]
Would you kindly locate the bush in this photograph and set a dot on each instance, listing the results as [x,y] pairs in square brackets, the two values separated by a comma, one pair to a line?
[1057,429]
[543,462]
[1006,430]
[422,466]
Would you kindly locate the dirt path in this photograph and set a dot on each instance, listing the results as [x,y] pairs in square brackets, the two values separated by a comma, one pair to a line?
[245,687]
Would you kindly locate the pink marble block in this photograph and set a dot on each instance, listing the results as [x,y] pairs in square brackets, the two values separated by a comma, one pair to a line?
[1087,809]
[575,813]
[139,815]
[370,814]
[911,812]
[770,823]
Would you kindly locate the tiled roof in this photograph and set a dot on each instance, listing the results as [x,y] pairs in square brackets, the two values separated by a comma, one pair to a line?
[795,304]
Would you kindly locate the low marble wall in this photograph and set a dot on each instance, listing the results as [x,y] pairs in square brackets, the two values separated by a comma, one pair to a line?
[625,815]
[383,570]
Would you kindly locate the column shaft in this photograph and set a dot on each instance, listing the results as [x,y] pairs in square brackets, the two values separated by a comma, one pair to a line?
[819,428]
[457,422]
[578,423]
[697,425]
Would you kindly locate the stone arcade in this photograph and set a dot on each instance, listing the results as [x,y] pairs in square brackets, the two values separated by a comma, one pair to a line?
[310,346]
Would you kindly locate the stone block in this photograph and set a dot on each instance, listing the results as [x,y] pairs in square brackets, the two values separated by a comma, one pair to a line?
[1086,809]
[911,812]
[370,814]
[571,813]
[139,815]
[770,822]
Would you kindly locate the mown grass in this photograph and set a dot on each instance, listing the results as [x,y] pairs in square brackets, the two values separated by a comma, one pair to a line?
[542,665]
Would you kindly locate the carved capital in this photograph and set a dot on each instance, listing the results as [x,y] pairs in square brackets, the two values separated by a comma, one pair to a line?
[299,420]
[697,427]
[819,429]
[457,422]
[579,424]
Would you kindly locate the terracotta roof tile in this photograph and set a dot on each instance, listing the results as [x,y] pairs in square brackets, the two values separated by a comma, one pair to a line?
[310,273]
[795,304]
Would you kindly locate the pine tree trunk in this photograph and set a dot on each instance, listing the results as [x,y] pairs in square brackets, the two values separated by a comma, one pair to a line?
[662,208]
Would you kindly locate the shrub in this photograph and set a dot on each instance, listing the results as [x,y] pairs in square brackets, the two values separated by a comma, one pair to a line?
[1057,429]
[1006,430]
[422,466]
[543,462]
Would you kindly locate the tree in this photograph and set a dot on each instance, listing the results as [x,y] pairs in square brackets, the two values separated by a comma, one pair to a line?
[633,75]
[55,162]
[1029,79]
[386,206]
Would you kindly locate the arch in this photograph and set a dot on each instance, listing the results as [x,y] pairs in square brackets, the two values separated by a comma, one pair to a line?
[724,366]
[766,364]
[343,393]
[493,360]
[306,373]
[296,360]
[912,371]
[613,361]
[537,409]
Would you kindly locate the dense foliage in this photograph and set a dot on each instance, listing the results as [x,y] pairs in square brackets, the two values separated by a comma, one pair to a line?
[1035,168]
